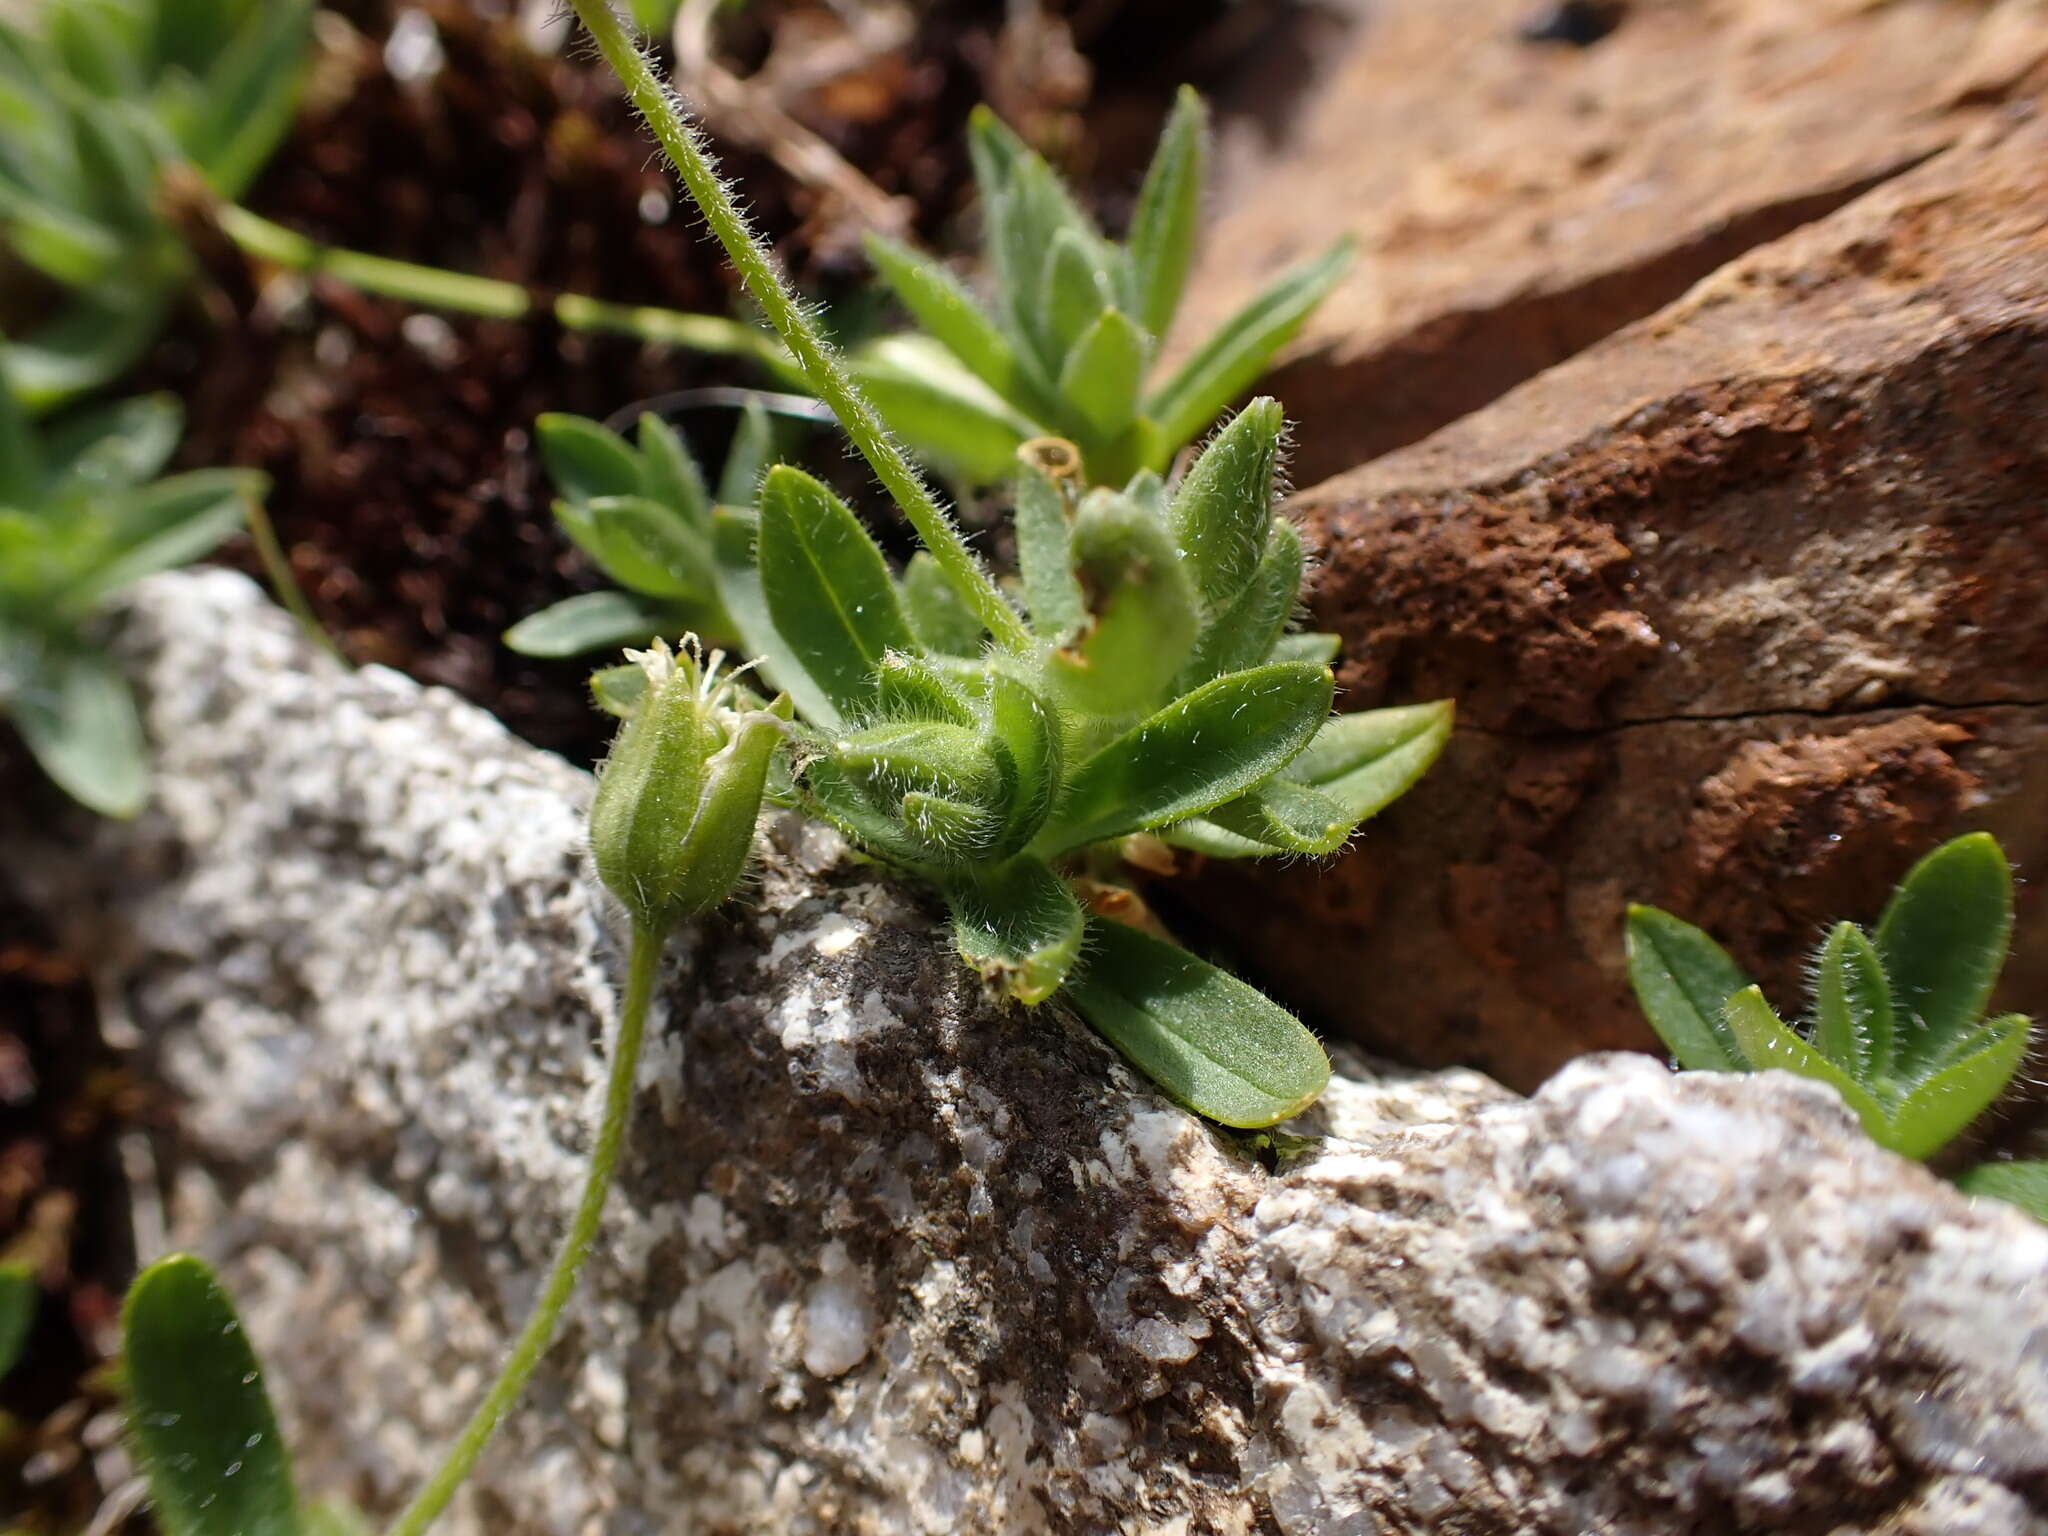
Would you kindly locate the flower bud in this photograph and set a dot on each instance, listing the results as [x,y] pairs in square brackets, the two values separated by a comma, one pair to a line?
[673,820]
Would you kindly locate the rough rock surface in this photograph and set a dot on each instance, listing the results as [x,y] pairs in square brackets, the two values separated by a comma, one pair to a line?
[1742,611]
[887,1258]
[1516,200]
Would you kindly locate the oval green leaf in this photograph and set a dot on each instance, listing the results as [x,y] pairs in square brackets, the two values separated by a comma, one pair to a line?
[1683,981]
[1943,940]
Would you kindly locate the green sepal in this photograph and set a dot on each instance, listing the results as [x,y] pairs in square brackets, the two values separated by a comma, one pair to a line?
[591,621]
[1769,1044]
[1367,761]
[1223,513]
[1206,747]
[198,1417]
[1943,940]
[1853,1023]
[1938,1109]
[586,460]
[1210,1042]
[2024,1184]
[1169,214]
[1683,981]
[1237,352]
[827,587]
[935,611]
[1018,924]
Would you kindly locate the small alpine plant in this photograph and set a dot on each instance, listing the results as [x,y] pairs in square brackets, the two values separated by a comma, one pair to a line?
[1069,342]
[1138,690]
[1897,1024]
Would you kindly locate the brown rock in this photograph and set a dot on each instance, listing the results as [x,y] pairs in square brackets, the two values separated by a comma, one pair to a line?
[1743,612]
[1516,201]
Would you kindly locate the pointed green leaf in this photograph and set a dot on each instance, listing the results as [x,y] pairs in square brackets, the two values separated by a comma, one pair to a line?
[1206,747]
[18,1293]
[1072,291]
[1853,1007]
[1943,940]
[941,305]
[898,756]
[1238,351]
[1683,981]
[1223,511]
[673,478]
[1938,1110]
[1769,1045]
[734,534]
[649,547]
[1247,630]
[1286,816]
[1169,215]
[827,586]
[591,621]
[585,460]
[1018,925]
[1367,761]
[2022,1184]
[198,1417]
[747,460]
[166,524]
[1211,1043]
[1104,372]
[77,717]
[940,619]
[1045,558]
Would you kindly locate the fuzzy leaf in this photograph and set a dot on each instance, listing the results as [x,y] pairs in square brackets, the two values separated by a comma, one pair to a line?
[909,690]
[1367,761]
[674,480]
[77,717]
[1223,511]
[18,1293]
[587,461]
[1769,1045]
[1104,372]
[1045,558]
[827,586]
[198,1417]
[590,621]
[941,305]
[747,460]
[1169,215]
[1286,817]
[1939,1109]
[1238,351]
[1211,1043]
[1943,940]
[1026,741]
[1018,925]
[1683,981]
[940,619]
[1247,631]
[1206,747]
[2022,1184]
[1853,1007]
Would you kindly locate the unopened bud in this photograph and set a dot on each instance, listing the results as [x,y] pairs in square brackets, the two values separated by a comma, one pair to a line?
[673,821]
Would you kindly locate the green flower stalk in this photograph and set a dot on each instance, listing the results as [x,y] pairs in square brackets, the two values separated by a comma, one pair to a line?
[671,827]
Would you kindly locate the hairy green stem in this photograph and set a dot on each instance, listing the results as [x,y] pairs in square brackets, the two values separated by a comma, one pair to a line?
[487,296]
[642,964]
[822,368]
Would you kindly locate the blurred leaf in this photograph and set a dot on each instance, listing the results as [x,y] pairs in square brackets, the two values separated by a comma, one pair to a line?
[1307,646]
[1223,512]
[1936,1111]
[90,342]
[827,586]
[1018,925]
[199,1419]
[940,619]
[590,621]
[113,445]
[587,461]
[617,690]
[250,95]
[1072,292]
[77,717]
[646,545]
[1169,214]
[1211,1043]
[2022,1184]
[167,524]
[18,1296]
[673,479]
[1239,349]
[1943,940]
[1206,747]
[747,460]
[946,311]
[1683,981]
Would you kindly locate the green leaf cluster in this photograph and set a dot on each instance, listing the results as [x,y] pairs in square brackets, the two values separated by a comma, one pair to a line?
[1067,343]
[199,1419]
[98,99]
[1897,1024]
[645,513]
[83,514]
[1155,687]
